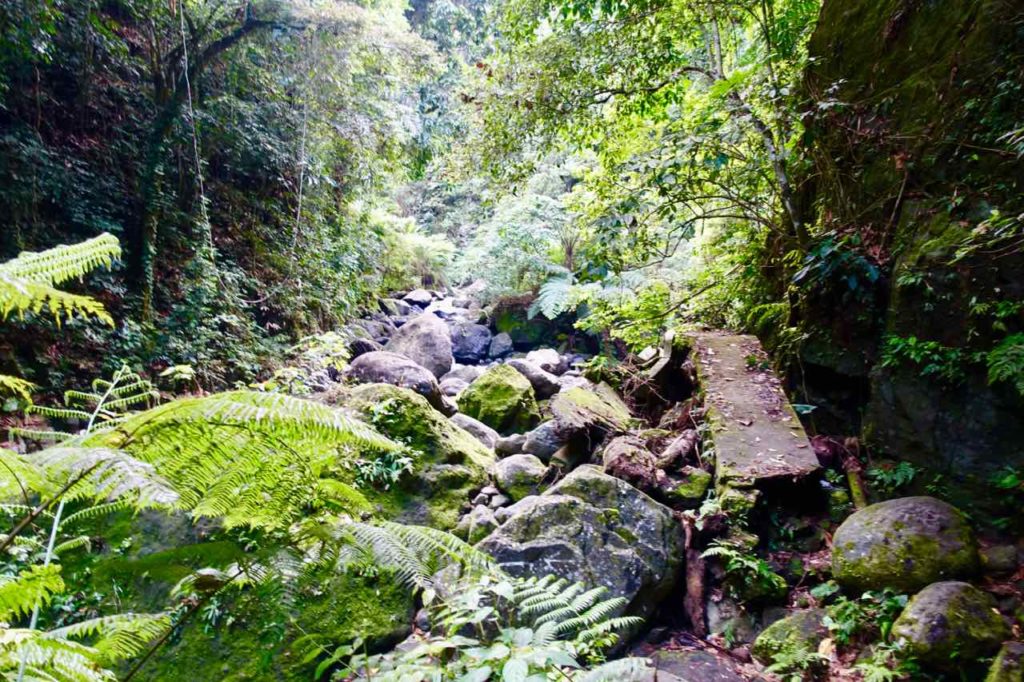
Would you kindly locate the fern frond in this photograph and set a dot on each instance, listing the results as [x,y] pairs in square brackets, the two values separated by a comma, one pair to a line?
[59,412]
[555,295]
[28,283]
[17,387]
[40,435]
[105,473]
[29,589]
[96,511]
[116,638]
[248,457]
[18,476]
[621,670]
[72,544]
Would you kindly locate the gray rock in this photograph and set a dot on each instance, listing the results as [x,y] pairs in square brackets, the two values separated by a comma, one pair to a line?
[501,345]
[694,665]
[489,490]
[467,373]
[420,298]
[906,544]
[498,501]
[481,499]
[447,312]
[382,367]
[545,440]
[425,339]
[453,387]
[470,342]
[999,559]
[361,346]
[950,622]
[476,525]
[549,360]
[482,432]
[520,475]
[378,330]
[545,384]
[596,529]
[510,445]
[396,308]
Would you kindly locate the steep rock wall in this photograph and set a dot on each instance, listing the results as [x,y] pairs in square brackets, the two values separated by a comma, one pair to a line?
[910,101]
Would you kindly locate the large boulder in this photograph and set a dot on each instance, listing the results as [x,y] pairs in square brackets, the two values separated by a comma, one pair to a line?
[503,399]
[905,544]
[798,633]
[449,463]
[382,367]
[470,342]
[501,345]
[519,476]
[425,339]
[545,384]
[597,407]
[949,623]
[693,665]
[595,529]
[482,432]
[420,298]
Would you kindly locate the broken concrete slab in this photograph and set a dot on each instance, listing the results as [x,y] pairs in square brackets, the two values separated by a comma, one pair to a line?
[756,433]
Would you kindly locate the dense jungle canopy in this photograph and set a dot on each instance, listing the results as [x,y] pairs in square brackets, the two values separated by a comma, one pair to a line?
[518,340]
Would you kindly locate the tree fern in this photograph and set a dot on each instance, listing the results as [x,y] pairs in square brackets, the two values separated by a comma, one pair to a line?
[555,295]
[29,282]
[246,457]
[30,589]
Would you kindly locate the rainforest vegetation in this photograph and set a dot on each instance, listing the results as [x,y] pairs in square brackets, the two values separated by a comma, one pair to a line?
[511,340]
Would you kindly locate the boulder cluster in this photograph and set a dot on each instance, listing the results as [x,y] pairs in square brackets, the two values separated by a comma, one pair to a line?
[522,454]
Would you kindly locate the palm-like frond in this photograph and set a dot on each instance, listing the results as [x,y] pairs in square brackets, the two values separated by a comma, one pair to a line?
[29,282]
[14,386]
[104,473]
[55,655]
[248,457]
[31,588]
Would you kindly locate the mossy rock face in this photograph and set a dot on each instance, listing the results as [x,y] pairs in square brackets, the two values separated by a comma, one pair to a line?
[451,463]
[693,487]
[585,409]
[1009,664]
[802,631]
[948,623]
[340,607]
[503,399]
[904,544]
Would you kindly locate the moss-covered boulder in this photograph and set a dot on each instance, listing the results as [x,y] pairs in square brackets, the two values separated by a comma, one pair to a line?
[597,529]
[503,399]
[691,487]
[586,408]
[1009,664]
[800,632]
[905,544]
[520,476]
[948,623]
[260,643]
[449,463]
